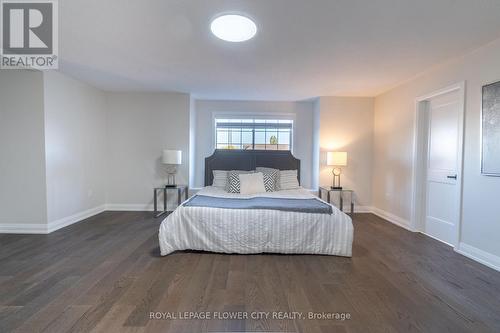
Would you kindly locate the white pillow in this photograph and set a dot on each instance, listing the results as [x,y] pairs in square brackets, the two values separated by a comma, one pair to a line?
[233,180]
[220,178]
[252,183]
[288,180]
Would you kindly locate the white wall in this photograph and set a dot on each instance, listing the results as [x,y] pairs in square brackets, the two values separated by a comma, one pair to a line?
[139,127]
[22,157]
[302,112]
[75,146]
[394,121]
[192,141]
[68,149]
[315,143]
[346,124]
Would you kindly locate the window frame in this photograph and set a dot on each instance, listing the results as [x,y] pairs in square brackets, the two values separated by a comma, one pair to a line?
[253,116]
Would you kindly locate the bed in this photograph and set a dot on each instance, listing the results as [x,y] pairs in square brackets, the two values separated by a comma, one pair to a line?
[286,221]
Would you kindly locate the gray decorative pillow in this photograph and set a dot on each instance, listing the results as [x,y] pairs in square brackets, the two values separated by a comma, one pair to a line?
[271,178]
[220,178]
[233,180]
[289,180]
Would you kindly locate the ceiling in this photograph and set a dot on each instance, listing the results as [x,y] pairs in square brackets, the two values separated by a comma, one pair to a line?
[303,48]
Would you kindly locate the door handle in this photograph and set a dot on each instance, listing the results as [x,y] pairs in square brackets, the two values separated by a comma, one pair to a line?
[452,177]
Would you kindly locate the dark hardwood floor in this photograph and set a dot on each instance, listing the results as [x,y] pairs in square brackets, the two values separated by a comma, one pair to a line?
[105,275]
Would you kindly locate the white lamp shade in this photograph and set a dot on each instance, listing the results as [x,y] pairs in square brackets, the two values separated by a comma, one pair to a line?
[336,158]
[171,157]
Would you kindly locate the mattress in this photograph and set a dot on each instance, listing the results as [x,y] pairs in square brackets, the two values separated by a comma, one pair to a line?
[248,231]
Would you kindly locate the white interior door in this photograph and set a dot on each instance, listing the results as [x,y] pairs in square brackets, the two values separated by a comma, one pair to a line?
[443,164]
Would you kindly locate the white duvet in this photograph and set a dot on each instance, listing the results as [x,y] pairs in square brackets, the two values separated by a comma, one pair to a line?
[256,230]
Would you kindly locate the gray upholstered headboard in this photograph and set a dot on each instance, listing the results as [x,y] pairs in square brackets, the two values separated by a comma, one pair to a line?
[223,159]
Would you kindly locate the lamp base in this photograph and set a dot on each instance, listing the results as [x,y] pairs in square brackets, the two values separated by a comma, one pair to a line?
[171,180]
[336,187]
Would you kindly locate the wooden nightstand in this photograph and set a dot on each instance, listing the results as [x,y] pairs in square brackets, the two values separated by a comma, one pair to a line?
[165,190]
[341,193]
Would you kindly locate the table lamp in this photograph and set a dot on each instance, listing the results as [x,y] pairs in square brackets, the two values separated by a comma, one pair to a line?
[337,159]
[172,158]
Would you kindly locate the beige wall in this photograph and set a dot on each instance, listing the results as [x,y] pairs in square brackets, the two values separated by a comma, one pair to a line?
[22,158]
[139,127]
[346,124]
[75,146]
[394,122]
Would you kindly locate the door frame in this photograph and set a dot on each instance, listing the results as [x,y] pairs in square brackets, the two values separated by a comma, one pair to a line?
[419,161]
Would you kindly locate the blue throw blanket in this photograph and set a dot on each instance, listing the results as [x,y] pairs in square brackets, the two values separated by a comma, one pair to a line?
[312,205]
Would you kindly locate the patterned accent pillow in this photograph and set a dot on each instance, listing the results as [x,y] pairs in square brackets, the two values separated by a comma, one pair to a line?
[233,180]
[289,180]
[220,178]
[269,182]
[271,178]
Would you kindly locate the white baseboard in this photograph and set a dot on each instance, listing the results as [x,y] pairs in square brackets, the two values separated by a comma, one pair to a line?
[483,257]
[399,221]
[130,207]
[437,239]
[467,250]
[23,228]
[26,228]
[361,209]
[65,221]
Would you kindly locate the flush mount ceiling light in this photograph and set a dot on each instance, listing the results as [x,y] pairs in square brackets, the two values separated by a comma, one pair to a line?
[233,28]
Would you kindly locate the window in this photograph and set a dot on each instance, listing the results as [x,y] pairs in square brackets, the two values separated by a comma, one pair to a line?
[263,134]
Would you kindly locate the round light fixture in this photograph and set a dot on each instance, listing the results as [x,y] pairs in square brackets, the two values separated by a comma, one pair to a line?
[233,28]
